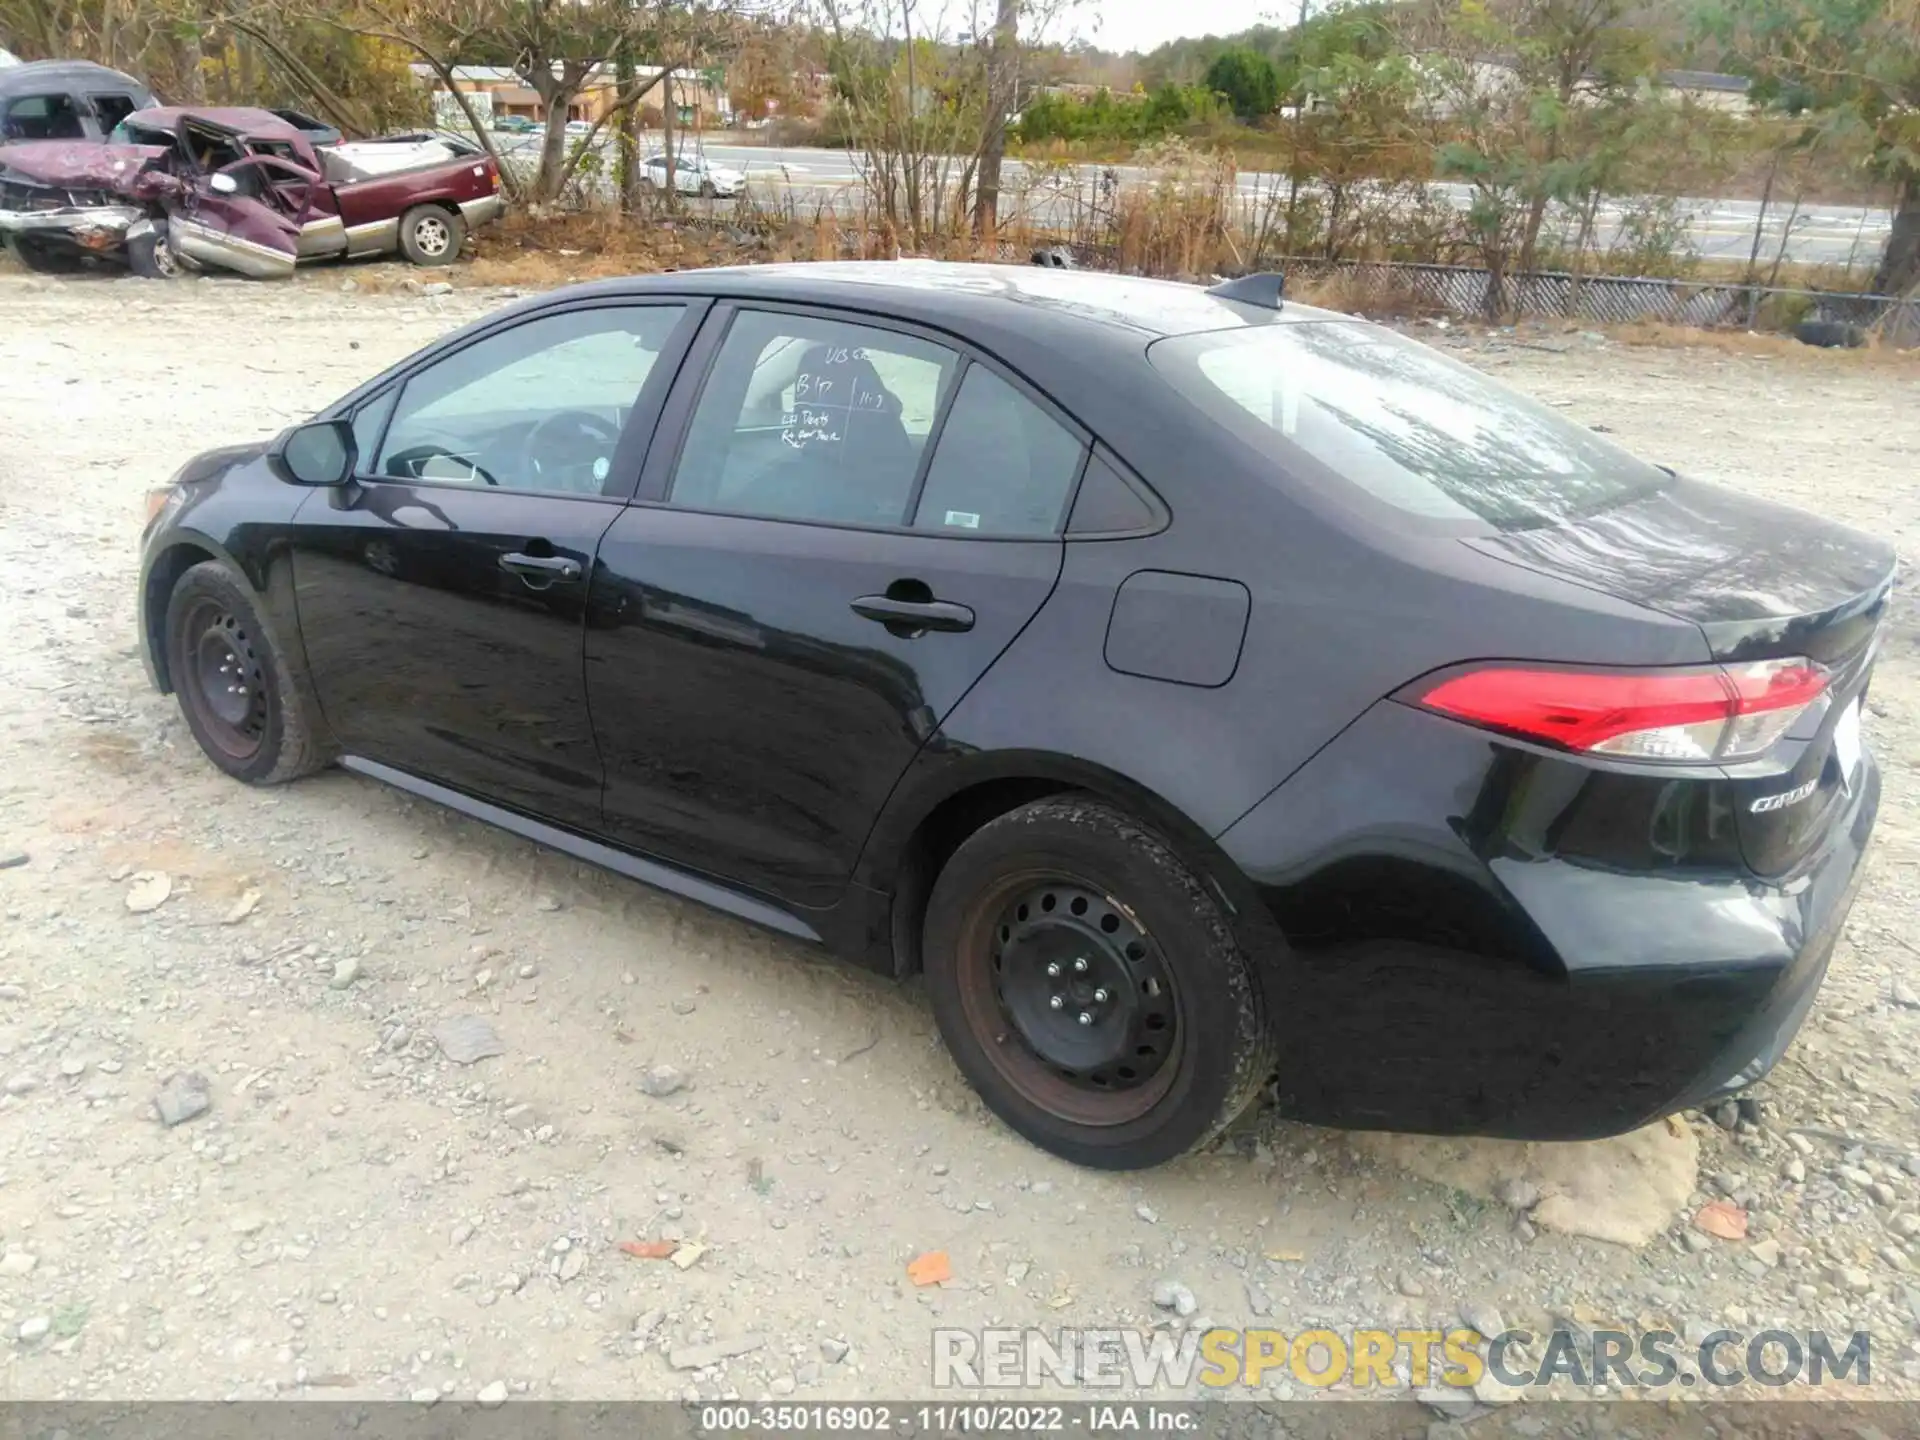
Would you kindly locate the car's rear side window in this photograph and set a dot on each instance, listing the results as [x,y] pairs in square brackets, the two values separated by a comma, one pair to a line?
[1003,465]
[1409,426]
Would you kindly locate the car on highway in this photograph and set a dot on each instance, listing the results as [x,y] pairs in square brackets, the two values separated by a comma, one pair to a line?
[1198,689]
[694,175]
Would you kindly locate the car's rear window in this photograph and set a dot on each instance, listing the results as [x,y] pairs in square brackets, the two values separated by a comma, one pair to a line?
[1423,433]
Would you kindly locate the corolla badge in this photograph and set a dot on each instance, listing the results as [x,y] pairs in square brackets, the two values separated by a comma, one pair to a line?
[1766,804]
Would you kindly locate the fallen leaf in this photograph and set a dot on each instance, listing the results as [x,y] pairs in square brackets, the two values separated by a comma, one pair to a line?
[930,1268]
[1722,1220]
[1286,1257]
[149,891]
[649,1249]
[687,1255]
[1061,1301]
[242,908]
[1676,1127]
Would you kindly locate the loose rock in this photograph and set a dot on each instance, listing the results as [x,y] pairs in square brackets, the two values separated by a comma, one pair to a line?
[182,1097]
[698,1357]
[492,1396]
[662,1081]
[149,891]
[465,1039]
[1172,1295]
[18,1262]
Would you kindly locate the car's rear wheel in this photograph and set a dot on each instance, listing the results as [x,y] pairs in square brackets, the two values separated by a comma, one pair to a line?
[430,235]
[242,696]
[1090,987]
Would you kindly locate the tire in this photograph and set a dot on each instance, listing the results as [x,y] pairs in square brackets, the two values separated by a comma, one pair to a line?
[1830,335]
[151,257]
[46,259]
[1178,1043]
[430,235]
[265,732]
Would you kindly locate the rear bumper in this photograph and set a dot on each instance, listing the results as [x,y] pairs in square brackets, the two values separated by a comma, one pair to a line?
[1464,962]
[483,211]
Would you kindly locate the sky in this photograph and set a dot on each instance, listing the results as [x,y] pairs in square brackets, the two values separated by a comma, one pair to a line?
[1143,24]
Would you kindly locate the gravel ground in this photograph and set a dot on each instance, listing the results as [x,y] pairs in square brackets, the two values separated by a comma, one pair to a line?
[357,1215]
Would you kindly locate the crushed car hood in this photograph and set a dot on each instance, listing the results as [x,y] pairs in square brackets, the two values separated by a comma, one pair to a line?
[77,164]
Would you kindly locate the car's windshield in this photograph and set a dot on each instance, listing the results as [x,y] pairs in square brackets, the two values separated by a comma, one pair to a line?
[1426,434]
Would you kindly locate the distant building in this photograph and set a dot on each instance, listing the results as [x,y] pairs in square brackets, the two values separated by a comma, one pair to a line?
[1488,76]
[1708,88]
[694,96]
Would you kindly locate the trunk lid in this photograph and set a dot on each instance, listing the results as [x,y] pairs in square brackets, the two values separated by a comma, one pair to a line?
[1761,581]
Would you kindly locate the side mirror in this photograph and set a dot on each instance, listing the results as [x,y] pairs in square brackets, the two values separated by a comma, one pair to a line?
[319,453]
[224,184]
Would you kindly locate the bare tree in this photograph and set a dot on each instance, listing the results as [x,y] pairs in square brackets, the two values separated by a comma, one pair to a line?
[1003,82]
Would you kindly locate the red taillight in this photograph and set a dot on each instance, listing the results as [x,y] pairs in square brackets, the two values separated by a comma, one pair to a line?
[1713,714]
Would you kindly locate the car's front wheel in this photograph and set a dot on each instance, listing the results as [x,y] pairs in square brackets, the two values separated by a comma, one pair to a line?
[242,696]
[1090,987]
[150,255]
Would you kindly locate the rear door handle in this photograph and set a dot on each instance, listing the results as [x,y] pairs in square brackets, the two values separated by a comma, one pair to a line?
[914,614]
[544,567]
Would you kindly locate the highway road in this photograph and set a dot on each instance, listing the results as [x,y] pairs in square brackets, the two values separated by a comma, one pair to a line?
[1719,229]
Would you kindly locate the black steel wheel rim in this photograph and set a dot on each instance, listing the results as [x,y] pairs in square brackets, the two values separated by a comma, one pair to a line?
[226,680]
[1072,998]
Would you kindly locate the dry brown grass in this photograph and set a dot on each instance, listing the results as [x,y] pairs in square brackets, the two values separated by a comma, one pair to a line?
[1659,334]
[541,252]
[1363,292]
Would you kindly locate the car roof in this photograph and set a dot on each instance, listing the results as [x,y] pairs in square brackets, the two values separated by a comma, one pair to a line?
[959,296]
[241,119]
[36,74]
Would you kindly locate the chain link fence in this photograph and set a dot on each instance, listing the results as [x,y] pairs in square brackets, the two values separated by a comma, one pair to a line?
[1466,291]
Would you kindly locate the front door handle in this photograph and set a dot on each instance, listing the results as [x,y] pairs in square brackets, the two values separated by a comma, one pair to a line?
[914,614]
[540,567]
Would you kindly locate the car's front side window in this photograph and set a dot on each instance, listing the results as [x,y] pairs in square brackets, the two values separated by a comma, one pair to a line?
[540,406]
[806,418]
[110,110]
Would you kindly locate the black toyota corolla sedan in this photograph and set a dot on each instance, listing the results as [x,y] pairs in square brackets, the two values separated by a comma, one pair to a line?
[1195,687]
